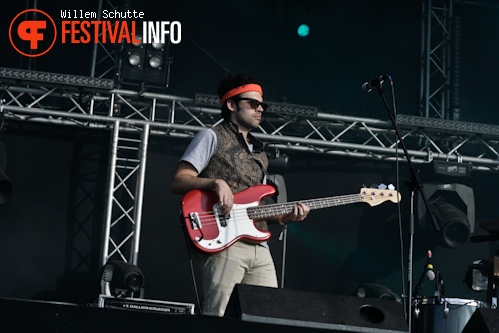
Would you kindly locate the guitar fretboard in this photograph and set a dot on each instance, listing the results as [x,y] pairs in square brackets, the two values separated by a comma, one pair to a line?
[262,212]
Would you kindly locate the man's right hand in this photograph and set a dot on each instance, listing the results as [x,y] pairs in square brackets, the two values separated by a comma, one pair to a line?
[225,196]
[186,178]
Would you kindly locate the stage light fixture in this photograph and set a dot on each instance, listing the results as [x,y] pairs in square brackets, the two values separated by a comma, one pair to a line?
[145,65]
[303,30]
[155,61]
[158,46]
[452,169]
[446,126]
[121,279]
[448,203]
[278,163]
[137,42]
[134,59]
[453,222]
[55,79]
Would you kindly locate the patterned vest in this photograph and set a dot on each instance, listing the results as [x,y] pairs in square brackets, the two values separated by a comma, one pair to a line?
[233,162]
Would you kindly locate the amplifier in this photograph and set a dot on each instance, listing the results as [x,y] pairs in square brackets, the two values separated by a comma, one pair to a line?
[145,305]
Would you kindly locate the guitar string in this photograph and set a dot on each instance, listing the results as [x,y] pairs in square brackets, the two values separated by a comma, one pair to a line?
[209,218]
[277,209]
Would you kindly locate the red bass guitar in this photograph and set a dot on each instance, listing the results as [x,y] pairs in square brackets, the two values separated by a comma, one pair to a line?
[212,232]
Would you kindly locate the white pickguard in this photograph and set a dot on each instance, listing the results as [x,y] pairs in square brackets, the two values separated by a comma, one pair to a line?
[238,224]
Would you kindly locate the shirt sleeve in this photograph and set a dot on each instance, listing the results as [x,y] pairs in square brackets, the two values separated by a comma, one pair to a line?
[200,150]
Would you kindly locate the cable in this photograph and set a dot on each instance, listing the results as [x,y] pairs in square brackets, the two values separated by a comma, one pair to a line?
[193,275]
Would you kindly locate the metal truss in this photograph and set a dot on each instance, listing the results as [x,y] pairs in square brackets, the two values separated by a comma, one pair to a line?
[80,223]
[436,66]
[125,190]
[287,127]
[105,56]
[131,117]
[441,57]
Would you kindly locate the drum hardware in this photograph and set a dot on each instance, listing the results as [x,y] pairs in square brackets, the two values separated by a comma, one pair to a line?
[443,315]
[416,312]
[446,309]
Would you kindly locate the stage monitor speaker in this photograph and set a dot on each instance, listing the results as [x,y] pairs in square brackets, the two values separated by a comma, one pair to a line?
[308,309]
[483,320]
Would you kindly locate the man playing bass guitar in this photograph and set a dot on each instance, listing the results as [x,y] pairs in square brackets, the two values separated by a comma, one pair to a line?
[227,159]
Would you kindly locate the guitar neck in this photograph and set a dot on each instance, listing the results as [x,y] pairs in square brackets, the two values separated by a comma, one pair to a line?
[266,211]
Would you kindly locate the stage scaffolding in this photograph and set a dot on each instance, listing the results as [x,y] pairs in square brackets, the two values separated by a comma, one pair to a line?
[132,117]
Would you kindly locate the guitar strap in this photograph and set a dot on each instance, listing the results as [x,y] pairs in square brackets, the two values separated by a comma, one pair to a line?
[261,149]
[268,178]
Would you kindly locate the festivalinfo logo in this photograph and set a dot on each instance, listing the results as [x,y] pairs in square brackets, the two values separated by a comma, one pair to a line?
[38,31]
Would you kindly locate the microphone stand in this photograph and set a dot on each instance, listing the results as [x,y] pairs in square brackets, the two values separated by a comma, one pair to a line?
[419,285]
[414,185]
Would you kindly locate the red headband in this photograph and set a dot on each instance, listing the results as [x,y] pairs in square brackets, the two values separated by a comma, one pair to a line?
[242,89]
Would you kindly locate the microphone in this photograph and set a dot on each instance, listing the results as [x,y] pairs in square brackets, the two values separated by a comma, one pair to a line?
[430,274]
[374,83]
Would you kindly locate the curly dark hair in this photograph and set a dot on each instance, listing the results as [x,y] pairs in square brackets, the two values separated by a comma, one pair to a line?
[230,82]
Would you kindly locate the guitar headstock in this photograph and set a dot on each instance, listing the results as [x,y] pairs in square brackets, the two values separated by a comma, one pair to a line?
[376,196]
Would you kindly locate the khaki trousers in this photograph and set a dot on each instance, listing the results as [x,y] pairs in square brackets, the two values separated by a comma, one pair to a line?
[241,263]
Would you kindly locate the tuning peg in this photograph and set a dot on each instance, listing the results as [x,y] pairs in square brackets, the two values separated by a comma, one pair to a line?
[374,185]
[382,186]
[391,187]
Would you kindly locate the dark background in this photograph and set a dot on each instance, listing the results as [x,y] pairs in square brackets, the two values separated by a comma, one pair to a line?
[49,228]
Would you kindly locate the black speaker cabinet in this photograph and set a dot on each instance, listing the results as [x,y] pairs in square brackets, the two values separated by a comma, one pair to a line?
[307,309]
[483,320]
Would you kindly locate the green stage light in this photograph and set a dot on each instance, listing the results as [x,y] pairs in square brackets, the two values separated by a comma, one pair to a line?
[303,30]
